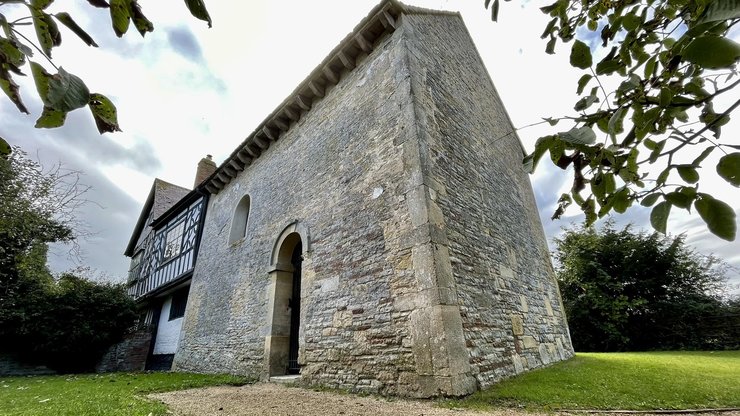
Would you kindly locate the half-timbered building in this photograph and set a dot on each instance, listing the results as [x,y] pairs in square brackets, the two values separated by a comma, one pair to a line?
[163,250]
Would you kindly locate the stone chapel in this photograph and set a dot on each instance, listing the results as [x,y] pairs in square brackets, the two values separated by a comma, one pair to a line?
[375,232]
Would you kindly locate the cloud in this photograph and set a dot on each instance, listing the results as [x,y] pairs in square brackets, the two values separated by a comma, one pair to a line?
[183,42]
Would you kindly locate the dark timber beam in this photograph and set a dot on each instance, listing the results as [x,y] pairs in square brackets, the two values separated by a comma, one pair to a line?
[388,21]
[291,113]
[262,143]
[348,62]
[302,103]
[236,164]
[330,75]
[317,89]
[282,125]
[268,133]
[363,43]
[246,160]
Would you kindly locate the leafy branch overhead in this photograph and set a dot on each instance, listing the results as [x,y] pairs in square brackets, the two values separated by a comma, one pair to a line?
[642,132]
[63,92]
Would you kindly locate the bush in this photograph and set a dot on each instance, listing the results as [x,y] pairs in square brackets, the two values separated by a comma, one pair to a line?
[626,291]
[70,324]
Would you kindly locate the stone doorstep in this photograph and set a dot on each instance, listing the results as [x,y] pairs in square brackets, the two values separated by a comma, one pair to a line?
[293,378]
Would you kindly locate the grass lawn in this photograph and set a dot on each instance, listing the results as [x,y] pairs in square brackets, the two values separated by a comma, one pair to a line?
[634,381]
[97,394]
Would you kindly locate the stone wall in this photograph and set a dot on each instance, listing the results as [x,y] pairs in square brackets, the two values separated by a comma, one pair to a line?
[11,366]
[340,172]
[128,355]
[509,301]
[425,267]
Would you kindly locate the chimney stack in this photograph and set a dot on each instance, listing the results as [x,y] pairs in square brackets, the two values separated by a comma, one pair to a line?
[206,167]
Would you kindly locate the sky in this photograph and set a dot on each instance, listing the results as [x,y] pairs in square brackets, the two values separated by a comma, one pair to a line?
[185,91]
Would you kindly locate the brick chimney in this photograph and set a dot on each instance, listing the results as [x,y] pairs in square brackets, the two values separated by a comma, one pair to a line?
[206,167]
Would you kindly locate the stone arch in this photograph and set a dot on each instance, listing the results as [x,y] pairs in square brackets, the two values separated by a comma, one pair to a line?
[285,243]
[240,220]
[282,339]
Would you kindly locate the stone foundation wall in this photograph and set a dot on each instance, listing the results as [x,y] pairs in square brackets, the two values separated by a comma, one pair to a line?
[11,366]
[509,301]
[128,355]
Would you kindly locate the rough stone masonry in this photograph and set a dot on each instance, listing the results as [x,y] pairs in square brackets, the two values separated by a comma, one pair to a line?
[425,268]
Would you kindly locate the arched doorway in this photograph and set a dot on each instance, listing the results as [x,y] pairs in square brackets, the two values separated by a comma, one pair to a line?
[282,342]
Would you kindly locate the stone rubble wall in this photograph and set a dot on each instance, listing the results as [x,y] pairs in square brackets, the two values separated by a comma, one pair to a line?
[509,300]
[426,271]
[340,172]
[128,355]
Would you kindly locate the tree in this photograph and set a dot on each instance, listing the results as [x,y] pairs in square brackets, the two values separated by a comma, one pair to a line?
[63,92]
[67,322]
[648,121]
[636,291]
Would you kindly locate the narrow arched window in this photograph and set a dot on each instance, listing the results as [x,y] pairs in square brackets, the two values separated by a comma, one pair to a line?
[239,223]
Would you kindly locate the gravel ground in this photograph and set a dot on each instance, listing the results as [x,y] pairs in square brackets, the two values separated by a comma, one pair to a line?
[276,399]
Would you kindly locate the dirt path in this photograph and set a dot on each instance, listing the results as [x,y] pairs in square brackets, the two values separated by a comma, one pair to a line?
[278,400]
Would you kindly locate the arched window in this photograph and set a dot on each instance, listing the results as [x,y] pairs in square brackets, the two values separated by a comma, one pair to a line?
[239,223]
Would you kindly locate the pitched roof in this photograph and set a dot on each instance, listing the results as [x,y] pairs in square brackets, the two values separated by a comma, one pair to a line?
[382,19]
[162,197]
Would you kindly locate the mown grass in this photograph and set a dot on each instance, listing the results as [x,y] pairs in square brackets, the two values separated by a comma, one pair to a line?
[97,394]
[633,381]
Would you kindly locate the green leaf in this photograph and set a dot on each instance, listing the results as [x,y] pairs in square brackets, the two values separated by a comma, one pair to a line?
[714,52]
[46,30]
[583,82]
[719,217]
[719,10]
[621,201]
[548,29]
[51,118]
[66,20]
[4,148]
[608,66]
[729,168]
[615,122]
[120,16]
[665,97]
[11,90]
[198,10]
[142,24]
[41,78]
[10,54]
[550,48]
[581,135]
[41,4]
[104,112]
[631,21]
[649,200]
[580,55]
[650,67]
[702,156]
[585,102]
[688,173]
[659,216]
[679,199]
[530,161]
[99,3]
[67,92]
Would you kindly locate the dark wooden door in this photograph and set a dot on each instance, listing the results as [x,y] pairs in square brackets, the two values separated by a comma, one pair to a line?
[295,311]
